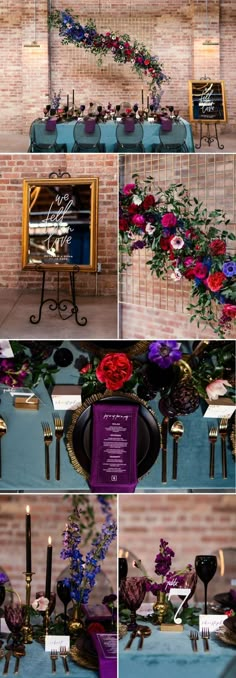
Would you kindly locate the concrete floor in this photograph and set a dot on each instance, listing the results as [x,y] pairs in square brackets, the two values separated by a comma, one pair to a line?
[17,306]
[18,143]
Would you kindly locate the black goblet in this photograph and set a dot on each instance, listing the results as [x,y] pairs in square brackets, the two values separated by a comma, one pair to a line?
[123,569]
[64,593]
[205,567]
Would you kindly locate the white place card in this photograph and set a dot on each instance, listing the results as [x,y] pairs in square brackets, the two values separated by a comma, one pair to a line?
[220,408]
[211,621]
[56,642]
[3,626]
[66,396]
[233,582]
[6,349]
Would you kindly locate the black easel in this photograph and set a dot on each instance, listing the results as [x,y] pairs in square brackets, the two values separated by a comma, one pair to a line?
[209,137]
[61,305]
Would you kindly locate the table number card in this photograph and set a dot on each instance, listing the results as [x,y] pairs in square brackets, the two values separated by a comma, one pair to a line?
[211,621]
[56,642]
[114,448]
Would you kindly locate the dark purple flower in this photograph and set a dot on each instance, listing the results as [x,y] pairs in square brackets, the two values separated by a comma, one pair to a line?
[163,564]
[229,268]
[3,578]
[138,245]
[164,353]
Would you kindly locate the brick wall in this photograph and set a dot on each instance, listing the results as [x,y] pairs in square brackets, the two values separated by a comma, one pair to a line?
[49,515]
[13,169]
[150,306]
[191,524]
[174,31]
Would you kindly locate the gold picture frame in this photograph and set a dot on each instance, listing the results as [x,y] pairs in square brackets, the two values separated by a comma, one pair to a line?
[207,101]
[60,223]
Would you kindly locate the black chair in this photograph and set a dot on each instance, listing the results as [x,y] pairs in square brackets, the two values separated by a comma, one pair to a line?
[43,141]
[129,142]
[87,141]
[172,141]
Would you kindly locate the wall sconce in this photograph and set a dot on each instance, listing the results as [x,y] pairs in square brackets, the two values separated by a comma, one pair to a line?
[34,42]
[208,42]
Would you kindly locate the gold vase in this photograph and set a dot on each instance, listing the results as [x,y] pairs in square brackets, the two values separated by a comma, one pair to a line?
[75,624]
[160,607]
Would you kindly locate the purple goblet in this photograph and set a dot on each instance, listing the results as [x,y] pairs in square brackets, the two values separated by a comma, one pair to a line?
[132,593]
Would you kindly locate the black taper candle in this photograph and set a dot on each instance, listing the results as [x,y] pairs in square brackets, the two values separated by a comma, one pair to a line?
[48,569]
[28,539]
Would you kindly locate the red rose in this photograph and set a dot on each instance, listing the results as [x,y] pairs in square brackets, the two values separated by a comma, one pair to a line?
[114,370]
[200,270]
[146,62]
[148,202]
[229,310]
[215,281]
[132,209]
[168,220]
[123,224]
[217,246]
[189,274]
[165,243]
[86,368]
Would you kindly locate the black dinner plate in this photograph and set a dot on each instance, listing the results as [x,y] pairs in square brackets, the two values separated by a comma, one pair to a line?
[225,600]
[148,435]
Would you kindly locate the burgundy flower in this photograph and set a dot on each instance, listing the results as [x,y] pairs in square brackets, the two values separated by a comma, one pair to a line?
[129,188]
[138,220]
[215,281]
[200,270]
[149,201]
[168,220]
[217,246]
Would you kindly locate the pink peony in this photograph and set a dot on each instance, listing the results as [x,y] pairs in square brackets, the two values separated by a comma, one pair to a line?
[201,271]
[188,261]
[217,388]
[168,220]
[40,604]
[138,220]
[128,189]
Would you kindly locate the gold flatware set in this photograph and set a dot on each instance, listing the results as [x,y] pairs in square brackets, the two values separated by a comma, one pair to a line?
[141,632]
[222,430]
[48,438]
[176,431]
[194,637]
[54,655]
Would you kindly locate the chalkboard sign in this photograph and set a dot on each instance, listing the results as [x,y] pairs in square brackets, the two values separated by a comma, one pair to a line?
[207,101]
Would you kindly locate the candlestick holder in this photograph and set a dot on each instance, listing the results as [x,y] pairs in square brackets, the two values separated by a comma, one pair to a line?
[27,628]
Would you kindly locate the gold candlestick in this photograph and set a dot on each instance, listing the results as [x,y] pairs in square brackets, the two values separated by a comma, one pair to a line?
[27,628]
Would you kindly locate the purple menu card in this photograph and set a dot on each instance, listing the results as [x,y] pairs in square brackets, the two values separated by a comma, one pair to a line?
[114,448]
[106,646]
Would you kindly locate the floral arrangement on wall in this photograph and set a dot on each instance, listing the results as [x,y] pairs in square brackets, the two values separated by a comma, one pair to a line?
[121,47]
[186,241]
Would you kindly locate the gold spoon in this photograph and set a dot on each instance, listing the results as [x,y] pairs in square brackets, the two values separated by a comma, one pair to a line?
[177,430]
[18,653]
[143,632]
[3,430]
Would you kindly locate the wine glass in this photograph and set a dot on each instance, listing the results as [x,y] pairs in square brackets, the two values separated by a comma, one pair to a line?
[189,582]
[123,569]
[14,617]
[64,593]
[132,592]
[206,567]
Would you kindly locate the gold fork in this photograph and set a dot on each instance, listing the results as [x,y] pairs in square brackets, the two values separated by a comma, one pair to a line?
[47,433]
[54,657]
[223,434]
[3,430]
[58,433]
[206,637]
[212,435]
[63,654]
[177,430]
[194,638]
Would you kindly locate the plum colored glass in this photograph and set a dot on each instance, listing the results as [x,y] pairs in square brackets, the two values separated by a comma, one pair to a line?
[132,593]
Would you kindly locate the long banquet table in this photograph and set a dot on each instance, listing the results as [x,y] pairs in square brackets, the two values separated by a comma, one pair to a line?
[108,135]
[23,449]
[170,654]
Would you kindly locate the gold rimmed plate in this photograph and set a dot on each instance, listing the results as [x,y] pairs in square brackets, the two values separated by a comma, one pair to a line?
[226,636]
[84,653]
[79,436]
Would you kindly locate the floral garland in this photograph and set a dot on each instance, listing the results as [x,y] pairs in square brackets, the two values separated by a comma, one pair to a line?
[121,47]
[170,225]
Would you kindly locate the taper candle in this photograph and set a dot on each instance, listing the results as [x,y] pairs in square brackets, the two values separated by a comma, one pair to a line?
[142,97]
[148,103]
[73,96]
[68,100]
[28,539]
[48,569]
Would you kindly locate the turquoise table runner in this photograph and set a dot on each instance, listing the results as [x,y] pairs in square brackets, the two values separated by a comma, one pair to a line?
[170,654]
[37,664]
[108,135]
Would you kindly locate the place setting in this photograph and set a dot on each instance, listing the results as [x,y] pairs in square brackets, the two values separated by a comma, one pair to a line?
[60,631]
[89,405]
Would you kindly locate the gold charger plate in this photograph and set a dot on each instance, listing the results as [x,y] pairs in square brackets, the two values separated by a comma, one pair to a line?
[88,661]
[78,433]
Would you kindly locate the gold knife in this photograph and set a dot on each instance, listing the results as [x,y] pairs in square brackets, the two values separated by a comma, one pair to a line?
[164,430]
[7,660]
[132,637]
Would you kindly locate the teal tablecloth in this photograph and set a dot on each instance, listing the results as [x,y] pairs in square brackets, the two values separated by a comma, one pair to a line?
[23,450]
[37,664]
[170,654]
[108,135]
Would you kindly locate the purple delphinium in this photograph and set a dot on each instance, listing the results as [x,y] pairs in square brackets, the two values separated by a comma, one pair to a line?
[163,559]
[164,353]
[3,578]
[229,268]
[137,245]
